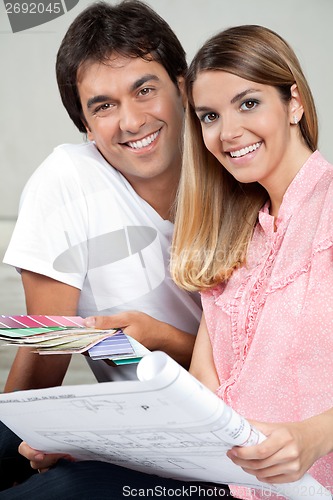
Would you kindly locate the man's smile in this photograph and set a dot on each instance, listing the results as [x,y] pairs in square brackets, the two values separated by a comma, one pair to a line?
[142,143]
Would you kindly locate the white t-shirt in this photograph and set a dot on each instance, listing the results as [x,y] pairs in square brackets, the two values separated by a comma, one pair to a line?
[81,223]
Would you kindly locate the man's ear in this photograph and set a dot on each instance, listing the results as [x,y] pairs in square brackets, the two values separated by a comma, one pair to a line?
[296,109]
[181,87]
[90,135]
[86,126]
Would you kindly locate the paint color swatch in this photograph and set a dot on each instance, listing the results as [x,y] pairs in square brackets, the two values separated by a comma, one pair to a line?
[113,346]
[38,321]
[68,335]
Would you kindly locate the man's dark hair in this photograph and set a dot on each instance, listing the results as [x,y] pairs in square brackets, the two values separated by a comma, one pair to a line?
[130,28]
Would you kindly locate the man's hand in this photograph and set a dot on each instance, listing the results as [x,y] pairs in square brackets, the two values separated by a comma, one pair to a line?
[138,325]
[41,461]
[150,332]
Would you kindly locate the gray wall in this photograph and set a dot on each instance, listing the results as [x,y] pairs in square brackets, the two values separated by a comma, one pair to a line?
[33,121]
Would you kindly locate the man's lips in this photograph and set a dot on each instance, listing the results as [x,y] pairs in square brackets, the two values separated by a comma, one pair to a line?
[142,143]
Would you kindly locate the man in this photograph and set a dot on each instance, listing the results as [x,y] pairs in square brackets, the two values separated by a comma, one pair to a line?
[95,222]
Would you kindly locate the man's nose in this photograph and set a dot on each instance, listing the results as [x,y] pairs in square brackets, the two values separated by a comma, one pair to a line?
[132,118]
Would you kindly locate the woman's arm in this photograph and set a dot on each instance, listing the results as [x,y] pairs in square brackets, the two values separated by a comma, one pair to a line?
[202,365]
[289,450]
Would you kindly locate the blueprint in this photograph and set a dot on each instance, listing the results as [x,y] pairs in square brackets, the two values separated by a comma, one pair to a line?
[166,423]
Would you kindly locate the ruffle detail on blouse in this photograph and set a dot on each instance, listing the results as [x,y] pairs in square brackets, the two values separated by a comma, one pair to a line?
[233,308]
[241,340]
[322,246]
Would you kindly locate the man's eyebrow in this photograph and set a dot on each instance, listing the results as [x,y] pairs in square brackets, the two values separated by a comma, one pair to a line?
[96,100]
[137,84]
[144,79]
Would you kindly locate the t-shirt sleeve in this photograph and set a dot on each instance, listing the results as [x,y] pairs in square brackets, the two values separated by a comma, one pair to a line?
[50,234]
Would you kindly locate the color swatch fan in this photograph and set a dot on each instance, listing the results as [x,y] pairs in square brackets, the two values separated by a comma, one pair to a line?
[68,335]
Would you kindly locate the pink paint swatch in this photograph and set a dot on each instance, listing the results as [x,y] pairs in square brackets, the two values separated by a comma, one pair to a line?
[37,321]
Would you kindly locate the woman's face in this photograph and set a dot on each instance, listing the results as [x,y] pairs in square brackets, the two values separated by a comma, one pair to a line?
[248,127]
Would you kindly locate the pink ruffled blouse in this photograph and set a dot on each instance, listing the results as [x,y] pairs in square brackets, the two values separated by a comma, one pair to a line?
[271,324]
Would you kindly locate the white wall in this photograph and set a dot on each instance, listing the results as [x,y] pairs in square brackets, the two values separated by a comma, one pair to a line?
[33,121]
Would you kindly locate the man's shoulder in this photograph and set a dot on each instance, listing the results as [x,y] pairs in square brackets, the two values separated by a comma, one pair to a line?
[80,150]
[71,160]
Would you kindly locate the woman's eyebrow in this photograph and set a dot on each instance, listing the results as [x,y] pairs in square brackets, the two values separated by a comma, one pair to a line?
[236,98]
[241,95]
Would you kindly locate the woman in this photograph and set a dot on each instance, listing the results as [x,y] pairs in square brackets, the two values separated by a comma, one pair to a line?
[254,234]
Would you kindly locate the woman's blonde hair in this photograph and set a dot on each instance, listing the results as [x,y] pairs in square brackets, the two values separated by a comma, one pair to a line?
[216,214]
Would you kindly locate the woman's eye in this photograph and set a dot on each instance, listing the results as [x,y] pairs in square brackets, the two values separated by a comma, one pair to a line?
[247,105]
[209,117]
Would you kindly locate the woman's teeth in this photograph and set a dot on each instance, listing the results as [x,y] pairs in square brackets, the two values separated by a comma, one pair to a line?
[245,151]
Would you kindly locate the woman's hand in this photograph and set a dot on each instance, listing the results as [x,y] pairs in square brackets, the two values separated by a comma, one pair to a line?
[41,461]
[289,450]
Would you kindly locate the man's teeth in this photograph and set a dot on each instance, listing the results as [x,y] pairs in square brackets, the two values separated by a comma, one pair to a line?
[245,151]
[144,142]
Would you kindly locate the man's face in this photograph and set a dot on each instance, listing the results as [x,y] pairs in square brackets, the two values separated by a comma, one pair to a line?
[134,113]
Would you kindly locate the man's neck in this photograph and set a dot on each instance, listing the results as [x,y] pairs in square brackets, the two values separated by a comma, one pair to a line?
[159,193]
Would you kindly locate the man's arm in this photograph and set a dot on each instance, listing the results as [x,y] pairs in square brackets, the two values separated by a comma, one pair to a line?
[150,332]
[50,297]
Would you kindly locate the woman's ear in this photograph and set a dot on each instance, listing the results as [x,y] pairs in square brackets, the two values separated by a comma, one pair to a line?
[296,109]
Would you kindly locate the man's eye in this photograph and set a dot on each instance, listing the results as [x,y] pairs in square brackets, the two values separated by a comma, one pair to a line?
[250,104]
[145,91]
[107,105]
[208,117]
[103,107]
